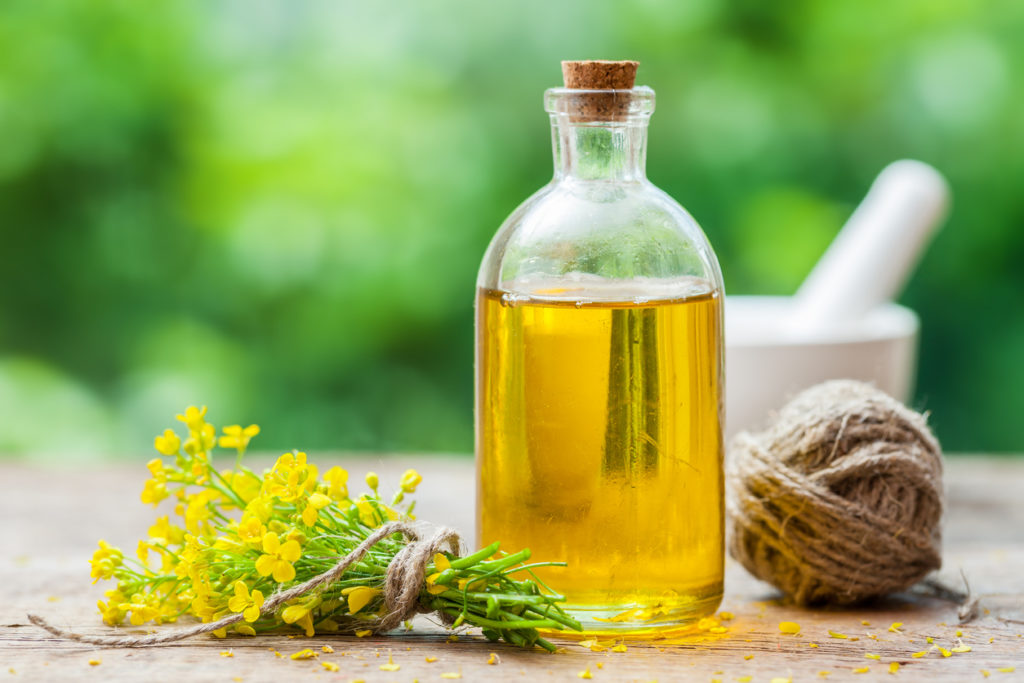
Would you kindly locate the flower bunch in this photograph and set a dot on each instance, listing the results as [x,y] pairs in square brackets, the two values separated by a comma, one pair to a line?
[238,537]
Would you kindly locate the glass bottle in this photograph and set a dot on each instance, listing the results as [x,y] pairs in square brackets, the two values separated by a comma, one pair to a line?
[599,379]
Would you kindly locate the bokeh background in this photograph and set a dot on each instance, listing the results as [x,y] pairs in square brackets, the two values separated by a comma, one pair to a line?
[277,209]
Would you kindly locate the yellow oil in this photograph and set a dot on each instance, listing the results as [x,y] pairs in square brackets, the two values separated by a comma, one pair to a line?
[599,444]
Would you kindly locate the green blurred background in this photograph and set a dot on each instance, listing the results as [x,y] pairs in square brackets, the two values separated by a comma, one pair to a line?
[278,208]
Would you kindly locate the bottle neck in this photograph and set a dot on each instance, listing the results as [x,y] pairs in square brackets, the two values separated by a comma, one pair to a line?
[615,151]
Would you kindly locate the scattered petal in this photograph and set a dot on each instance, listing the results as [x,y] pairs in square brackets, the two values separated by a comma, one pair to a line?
[328,649]
[894,667]
[869,655]
[585,673]
[330,666]
[961,648]
[390,666]
[835,634]
[790,627]
[429,659]
[227,653]
[918,655]
[862,670]
[95,662]
[493,659]
[621,647]
[895,627]
[304,654]
[451,674]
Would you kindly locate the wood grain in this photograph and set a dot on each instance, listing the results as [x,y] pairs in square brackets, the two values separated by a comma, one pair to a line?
[51,518]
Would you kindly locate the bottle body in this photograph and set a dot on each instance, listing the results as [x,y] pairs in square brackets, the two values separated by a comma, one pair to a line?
[599,390]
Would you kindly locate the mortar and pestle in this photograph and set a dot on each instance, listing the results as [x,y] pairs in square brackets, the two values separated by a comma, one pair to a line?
[842,322]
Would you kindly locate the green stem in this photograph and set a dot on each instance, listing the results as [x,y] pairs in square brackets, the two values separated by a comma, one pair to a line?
[478,556]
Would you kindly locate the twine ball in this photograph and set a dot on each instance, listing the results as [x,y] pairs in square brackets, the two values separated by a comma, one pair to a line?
[840,499]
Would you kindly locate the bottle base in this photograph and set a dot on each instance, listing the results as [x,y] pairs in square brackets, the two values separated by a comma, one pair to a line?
[678,615]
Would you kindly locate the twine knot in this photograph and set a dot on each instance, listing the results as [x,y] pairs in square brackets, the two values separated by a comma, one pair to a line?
[840,499]
[402,585]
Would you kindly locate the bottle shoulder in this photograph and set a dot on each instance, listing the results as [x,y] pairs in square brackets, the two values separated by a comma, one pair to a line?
[612,230]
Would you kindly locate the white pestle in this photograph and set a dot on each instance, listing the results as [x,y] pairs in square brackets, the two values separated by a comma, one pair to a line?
[869,261]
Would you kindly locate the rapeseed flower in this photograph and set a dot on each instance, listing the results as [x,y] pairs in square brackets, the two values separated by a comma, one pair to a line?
[289,525]
[278,558]
[245,602]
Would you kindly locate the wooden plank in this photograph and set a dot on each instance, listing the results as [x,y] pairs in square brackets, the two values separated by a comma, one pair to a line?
[52,517]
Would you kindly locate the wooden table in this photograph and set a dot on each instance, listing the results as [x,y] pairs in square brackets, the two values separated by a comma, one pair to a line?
[51,518]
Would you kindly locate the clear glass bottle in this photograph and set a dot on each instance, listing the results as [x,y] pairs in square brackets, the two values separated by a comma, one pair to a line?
[599,379]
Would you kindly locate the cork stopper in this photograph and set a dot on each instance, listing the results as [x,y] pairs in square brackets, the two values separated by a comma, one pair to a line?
[599,74]
[614,77]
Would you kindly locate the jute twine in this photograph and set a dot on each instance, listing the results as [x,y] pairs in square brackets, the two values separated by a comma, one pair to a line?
[839,500]
[402,585]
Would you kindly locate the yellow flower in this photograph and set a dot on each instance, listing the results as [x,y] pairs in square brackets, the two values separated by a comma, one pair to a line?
[359,597]
[111,610]
[316,502]
[142,608]
[278,558]
[251,531]
[410,480]
[293,613]
[306,622]
[248,604]
[156,468]
[238,438]
[105,561]
[168,443]
[165,533]
[367,513]
[291,477]
[194,418]
[186,566]
[373,481]
[198,509]
[441,563]
[336,479]
[142,550]
[201,440]
[153,491]
[261,508]
[246,485]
